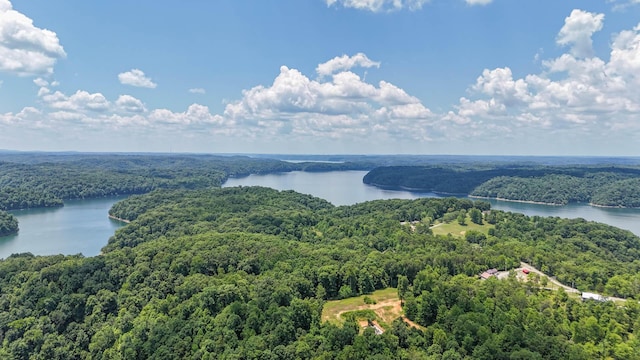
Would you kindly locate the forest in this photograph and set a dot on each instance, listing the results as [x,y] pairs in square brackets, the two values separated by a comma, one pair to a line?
[243,273]
[598,185]
[46,180]
[8,224]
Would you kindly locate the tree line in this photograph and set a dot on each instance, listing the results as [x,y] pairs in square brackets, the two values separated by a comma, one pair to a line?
[46,180]
[559,185]
[8,224]
[243,273]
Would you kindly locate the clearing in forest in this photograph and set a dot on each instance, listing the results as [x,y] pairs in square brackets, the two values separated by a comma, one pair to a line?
[382,306]
[455,229]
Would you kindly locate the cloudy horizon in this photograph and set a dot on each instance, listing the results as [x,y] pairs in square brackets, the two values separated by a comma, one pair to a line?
[328,76]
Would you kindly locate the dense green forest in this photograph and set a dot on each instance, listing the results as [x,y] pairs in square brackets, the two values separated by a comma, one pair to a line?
[46,180]
[242,273]
[616,186]
[8,224]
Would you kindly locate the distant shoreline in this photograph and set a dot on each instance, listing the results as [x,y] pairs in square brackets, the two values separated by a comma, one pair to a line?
[613,207]
[518,201]
[119,219]
[410,189]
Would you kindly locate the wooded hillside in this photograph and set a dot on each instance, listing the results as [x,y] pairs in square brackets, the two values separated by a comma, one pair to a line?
[617,186]
[243,273]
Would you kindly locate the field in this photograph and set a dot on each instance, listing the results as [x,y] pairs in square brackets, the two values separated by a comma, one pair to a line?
[456,229]
[384,307]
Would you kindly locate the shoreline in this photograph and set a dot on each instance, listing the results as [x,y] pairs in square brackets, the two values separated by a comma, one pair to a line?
[518,201]
[119,219]
[612,207]
[416,190]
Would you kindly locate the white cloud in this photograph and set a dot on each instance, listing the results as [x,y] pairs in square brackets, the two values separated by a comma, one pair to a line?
[197,91]
[574,92]
[95,111]
[478,2]
[342,107]
[577,31]
[24,48]
[137,78]
[81,101]
[623,4]
[27,117]
[379,5]
[345,62]
[40,82]
[128,103]
[196,115]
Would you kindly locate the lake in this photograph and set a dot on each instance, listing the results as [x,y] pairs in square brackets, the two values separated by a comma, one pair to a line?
[346,188]
[81,226]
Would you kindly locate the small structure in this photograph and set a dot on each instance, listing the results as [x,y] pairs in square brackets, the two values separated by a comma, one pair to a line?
[376,327]
[591,296]
[489,273]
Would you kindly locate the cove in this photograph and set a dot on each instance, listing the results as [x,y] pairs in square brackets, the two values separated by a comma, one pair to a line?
[347,188]
[80,226]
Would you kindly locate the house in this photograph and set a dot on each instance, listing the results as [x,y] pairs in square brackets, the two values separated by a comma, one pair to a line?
[489,273]
[591,296]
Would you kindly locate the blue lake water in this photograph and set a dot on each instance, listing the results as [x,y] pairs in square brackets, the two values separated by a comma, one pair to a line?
[346,188]
[81,226]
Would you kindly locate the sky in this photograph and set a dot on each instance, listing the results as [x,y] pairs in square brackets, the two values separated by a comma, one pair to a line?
[486,77]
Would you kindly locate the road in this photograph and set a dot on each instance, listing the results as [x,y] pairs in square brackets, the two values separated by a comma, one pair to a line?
[522,276]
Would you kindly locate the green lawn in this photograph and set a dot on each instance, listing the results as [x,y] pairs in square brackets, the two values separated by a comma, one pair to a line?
[456,229]
[332,309]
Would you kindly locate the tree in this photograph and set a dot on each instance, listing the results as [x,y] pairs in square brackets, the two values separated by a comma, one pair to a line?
[476,216]
[462,218]
[345,292]
[403,287]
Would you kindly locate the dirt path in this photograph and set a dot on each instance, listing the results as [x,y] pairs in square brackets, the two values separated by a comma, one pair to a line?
[395,308]
[412,324]
[395,304]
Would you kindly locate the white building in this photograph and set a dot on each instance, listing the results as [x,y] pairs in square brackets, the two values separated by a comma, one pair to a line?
[592,296]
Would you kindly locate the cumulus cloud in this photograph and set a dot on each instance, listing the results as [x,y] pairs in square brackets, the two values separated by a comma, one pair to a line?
[137,78]
[24,48]
[342,106]
[95,111]
[196,115]
[197,91]
[345,62]
[81,101]
[379,5]
[478,2]
[29,117]
[129,104]
[577,31]
[40,82]
[574,91]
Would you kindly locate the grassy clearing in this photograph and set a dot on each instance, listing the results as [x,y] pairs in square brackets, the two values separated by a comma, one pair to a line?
[386,307]
[456,229]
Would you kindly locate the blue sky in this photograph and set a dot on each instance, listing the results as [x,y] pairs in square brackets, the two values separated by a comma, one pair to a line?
[540,77]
